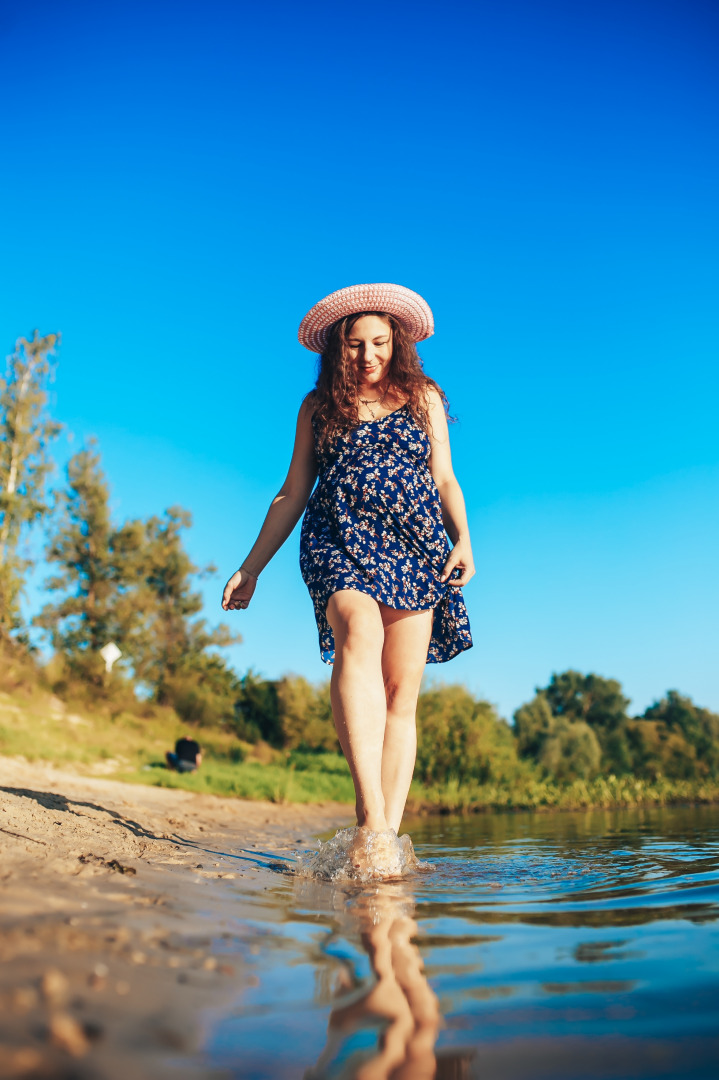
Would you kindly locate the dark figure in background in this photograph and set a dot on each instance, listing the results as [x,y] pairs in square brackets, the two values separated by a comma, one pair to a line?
[187,756]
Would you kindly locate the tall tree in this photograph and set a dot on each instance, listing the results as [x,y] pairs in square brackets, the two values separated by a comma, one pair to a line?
[90,571]
[562,746]
[167,642]
[133,586]
[677,738]
[26,431]
[598,702]
[534,722]
[592,698]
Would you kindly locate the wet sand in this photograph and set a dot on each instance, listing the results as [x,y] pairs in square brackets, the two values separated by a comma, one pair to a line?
[113,956]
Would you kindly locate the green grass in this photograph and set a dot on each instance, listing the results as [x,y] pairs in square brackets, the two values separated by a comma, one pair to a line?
[41,728]
[610,793]
[130,747]
[280,783]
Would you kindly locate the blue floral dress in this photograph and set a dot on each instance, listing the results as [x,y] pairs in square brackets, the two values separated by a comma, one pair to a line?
[374,523]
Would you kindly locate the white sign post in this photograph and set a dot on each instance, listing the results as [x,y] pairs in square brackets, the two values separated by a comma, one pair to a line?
[110,653]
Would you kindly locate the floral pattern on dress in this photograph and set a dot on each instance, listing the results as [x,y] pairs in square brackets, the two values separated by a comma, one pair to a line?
[374,523]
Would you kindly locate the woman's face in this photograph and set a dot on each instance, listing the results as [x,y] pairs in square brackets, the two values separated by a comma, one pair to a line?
[370,344]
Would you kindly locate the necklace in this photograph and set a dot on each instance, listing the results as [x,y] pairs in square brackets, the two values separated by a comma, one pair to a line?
[369,402]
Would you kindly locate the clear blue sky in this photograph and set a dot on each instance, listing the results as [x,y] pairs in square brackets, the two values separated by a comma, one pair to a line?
[183,181]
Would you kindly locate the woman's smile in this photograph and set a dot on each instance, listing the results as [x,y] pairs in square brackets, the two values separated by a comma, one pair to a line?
[370,345]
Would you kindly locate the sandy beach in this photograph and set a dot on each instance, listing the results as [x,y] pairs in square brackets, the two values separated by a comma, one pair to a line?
[113,955]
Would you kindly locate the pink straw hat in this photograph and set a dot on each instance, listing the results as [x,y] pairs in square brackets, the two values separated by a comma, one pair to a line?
[408,308]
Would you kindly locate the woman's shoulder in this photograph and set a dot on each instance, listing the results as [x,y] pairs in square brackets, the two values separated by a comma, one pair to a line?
[434,398]
[433,394]
[309,405]
[436,410]
[307,416]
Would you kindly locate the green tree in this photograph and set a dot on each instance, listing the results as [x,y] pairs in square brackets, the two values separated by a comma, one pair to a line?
[533,723]
[257,712]
[167,642]
[461,738]
[305,715]
[659,751]
[676,738]
[571,751]
[699,726]
[563,747]
[82,547]
[26,431]
[598,702]
[592,698]
[203,690]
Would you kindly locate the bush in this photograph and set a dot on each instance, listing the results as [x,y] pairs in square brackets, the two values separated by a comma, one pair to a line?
[684,741]
[84,683]
[571,751]
[203,691]
[533,723]
[289,714]
[256,712]
[305,715]
[462,739]
[18,668]
[659,751]
[564,746]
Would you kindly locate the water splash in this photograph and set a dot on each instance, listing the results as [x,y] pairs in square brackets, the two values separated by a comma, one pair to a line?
[360,855]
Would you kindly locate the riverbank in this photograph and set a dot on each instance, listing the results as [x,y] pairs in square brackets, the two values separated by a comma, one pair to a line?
[603,793]
[131,748]
[116,939]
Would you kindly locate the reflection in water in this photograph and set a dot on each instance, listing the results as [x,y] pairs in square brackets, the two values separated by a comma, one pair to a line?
[388,1029]
[536,947]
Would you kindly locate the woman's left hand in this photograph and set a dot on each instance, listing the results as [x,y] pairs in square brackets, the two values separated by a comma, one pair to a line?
[459,557]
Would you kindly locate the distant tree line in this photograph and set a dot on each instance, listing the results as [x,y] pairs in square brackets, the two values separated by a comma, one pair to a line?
[133,583]
[577,727]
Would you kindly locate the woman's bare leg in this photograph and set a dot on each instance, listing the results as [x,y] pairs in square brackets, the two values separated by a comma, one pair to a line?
[357,692]
[406,640]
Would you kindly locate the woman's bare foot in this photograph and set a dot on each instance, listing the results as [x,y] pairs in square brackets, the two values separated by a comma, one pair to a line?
[360,854]
[386,854]
[375,855]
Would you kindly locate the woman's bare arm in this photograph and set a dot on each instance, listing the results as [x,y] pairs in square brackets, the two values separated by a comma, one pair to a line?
[454,513]
[285,511]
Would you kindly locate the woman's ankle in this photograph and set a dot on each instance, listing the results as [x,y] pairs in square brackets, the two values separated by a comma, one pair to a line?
[374,822]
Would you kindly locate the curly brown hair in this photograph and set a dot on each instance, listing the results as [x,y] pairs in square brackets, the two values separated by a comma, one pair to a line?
[335,397]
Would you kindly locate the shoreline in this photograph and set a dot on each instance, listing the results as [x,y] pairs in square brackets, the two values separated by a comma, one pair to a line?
[420,810]
[541,797]
[112,961]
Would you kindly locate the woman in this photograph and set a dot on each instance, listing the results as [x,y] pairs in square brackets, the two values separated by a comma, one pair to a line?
[373,551]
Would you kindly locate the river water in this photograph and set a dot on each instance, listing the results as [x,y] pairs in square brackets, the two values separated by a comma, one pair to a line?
[536,946]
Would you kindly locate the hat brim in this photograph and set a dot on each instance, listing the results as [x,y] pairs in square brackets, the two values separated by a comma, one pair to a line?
[409,308]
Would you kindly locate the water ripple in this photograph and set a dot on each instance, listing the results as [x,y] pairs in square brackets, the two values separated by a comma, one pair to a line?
[537,946]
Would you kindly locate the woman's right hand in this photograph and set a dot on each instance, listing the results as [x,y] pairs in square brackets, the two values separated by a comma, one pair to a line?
[238,590]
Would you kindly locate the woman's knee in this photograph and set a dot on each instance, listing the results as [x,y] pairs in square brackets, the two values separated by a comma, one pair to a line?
[401,694]
[356,622]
